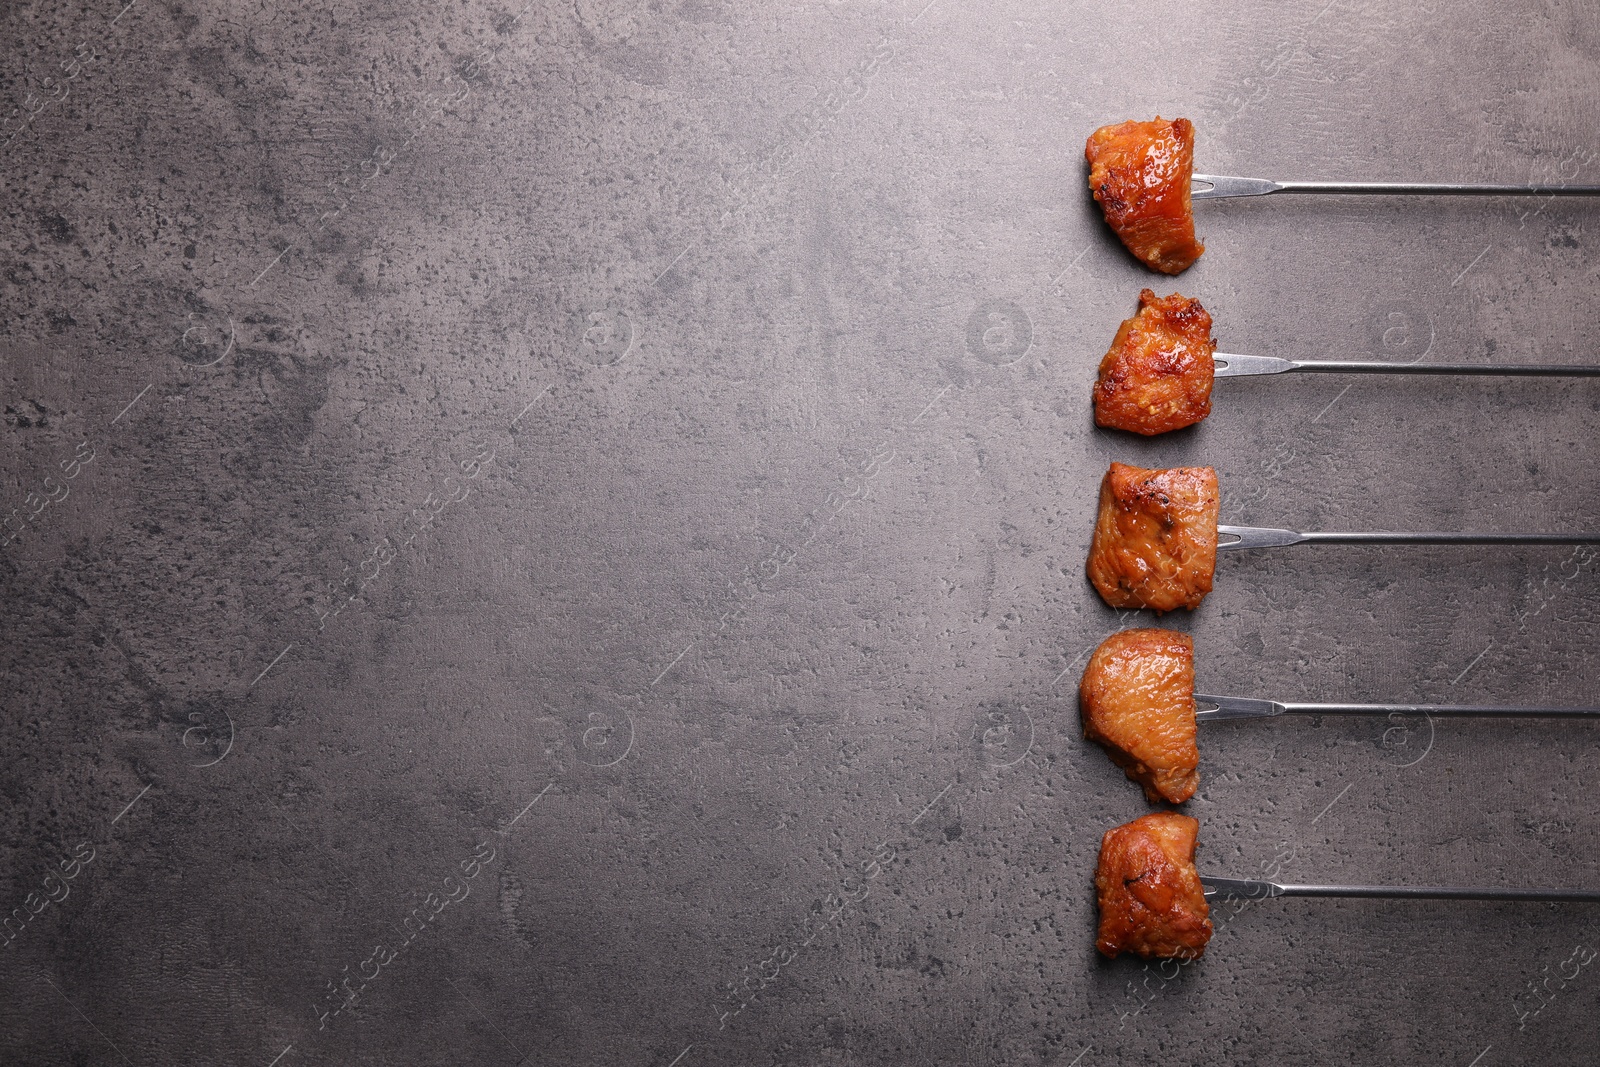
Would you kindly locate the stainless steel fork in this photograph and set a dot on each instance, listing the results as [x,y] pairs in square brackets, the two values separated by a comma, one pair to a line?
[1255,889]
[1234,365]
[1218,186]
[1246,537]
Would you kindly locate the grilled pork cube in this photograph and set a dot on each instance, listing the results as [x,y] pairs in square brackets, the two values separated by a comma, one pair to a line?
[1155,540]
[1140,173]
[1137,699]
[1152,902]
[1157,375]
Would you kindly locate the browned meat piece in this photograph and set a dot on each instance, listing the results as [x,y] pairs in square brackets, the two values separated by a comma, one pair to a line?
[1157,375]
[1155,541]
[1140,171]
[1152,902]
[1137,699]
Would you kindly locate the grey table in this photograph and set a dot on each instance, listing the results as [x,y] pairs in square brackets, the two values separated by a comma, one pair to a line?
[556,536]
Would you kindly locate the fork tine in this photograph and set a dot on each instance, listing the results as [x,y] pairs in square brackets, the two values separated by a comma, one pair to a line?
[1216,186]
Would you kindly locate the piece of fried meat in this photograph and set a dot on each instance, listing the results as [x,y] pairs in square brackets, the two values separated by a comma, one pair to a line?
[1152,902]
[1137,700]
[1155,539]
[1158,372]
[1140,173]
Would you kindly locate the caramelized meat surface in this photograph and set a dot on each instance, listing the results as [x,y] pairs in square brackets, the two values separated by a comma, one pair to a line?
[1137,699]
[1155,540]
[1157,375]
[1152,902]
[1139,172]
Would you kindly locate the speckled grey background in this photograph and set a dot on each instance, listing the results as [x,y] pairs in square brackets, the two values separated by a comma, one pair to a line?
[555,535]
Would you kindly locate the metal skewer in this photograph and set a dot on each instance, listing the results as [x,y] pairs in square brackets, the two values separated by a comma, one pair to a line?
[1214,708]
[1265,537]
[1233,365]
[1256,889]
[1217,186]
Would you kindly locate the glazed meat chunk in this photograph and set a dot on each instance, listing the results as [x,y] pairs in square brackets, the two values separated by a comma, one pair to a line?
[1137,699]
[1155,540]
[1157,375]
[1139,172]
[1152,902]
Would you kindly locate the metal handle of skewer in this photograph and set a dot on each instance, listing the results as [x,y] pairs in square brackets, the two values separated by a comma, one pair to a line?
[1247,537]
[1219,186]
[1256,889]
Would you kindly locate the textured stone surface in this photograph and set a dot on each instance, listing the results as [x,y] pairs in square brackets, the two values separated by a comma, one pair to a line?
[775,591]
